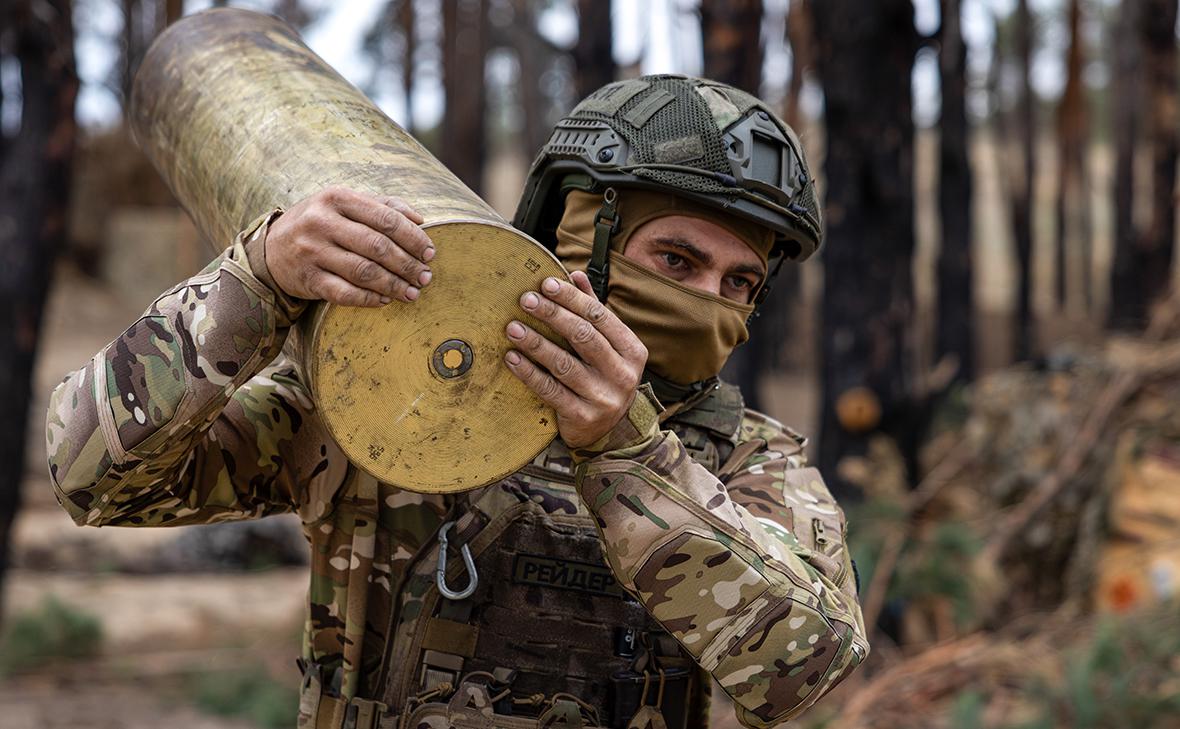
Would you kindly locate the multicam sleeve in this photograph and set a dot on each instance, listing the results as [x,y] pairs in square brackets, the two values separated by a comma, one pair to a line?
[731,565]
[187,417]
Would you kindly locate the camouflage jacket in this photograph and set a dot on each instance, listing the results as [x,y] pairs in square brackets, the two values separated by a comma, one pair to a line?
[192,415]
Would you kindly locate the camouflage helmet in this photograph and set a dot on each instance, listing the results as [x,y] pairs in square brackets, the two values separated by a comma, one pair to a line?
[699,139]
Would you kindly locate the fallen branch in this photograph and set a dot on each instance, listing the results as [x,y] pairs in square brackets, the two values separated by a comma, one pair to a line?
[1124,385]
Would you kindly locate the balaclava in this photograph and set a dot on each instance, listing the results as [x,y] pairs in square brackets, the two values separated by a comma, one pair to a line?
[689,333]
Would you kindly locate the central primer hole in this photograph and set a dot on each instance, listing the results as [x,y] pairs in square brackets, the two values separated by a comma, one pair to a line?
[452,358]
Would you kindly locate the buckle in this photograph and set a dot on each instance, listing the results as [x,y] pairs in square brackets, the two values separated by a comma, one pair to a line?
[364,714]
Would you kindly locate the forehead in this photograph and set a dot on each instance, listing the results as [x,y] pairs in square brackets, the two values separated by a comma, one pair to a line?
[721,243]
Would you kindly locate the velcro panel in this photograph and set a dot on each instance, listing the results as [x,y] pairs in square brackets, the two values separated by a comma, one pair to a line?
[449,636]
[646,109]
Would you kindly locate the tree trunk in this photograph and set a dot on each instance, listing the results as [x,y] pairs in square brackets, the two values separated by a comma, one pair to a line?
[1022,200]
[732,33]
[800,36]
[955,334]
[409,39]
[594,63]
[1157,25]
[1071,179]
[1125,309]
[131,48]
[868,299]
[34,195]
[463,148]
[173,9]
[533,60]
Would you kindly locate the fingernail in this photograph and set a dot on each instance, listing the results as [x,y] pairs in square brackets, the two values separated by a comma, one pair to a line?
[551,286]
[412,294]
[385,300]
[530,300]
[428,255]
[515,330]
[424,277]
[512,357]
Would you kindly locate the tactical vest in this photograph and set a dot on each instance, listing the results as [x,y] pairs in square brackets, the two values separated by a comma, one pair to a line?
[511,617]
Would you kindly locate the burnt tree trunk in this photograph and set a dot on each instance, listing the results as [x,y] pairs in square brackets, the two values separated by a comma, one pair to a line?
[463,148]
[800,36]
[955,337]
[34,186]
[1153,256]
[1125,311]
[731,33]
[173,9]
[405,19]
[594,64]
[868,300]
[533,60]
[1022,195]
[1071,178]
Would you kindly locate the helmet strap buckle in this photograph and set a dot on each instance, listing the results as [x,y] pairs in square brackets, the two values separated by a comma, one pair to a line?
[606,224]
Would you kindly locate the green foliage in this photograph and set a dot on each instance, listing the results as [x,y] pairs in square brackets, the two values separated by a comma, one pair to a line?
[967,712]
[940,566]
[1122,677]
[249,693]
[51,632]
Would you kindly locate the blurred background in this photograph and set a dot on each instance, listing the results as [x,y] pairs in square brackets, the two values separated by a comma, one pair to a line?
[985,352]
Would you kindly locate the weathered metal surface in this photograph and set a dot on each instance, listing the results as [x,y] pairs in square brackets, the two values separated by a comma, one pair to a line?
[239,117]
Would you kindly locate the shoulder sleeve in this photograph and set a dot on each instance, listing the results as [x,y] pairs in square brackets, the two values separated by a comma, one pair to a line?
[180,420]
[721,565]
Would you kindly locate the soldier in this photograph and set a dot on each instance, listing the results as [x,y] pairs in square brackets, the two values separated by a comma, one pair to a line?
[668,532]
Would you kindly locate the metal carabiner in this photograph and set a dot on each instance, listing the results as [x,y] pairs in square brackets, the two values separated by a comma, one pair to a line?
[440,572]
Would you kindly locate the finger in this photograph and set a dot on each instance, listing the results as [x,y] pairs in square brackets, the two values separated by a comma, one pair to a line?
[374,246]
[582,335]
[365,273]
[336,290]
[582,281]
[403,207]
[368,210]
[586,306]
[567,368]
[546,387]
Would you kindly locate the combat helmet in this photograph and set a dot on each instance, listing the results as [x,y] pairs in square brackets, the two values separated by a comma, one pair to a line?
[702,140]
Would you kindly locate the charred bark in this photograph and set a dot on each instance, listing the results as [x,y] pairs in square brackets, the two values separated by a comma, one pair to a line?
[732,41]
[955,337]
[594,63]
[1125,310]
[1072,131]
[800,36]
[1022,195]
[405,20]
[868,299]
[463,149]
[34,194]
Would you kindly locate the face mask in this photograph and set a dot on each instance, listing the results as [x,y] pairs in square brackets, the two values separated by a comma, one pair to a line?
[688,333]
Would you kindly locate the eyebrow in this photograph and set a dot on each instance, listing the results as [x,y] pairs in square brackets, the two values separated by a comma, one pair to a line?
[705,258]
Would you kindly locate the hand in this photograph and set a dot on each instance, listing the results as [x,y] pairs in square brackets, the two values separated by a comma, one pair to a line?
[349,248]
[592,391]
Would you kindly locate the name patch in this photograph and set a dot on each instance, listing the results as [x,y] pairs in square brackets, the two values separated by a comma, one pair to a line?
[533,569]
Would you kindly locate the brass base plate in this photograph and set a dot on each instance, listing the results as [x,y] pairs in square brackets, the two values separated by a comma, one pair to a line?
[417,394]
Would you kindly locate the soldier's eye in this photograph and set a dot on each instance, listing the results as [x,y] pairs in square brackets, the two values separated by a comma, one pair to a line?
[674,260]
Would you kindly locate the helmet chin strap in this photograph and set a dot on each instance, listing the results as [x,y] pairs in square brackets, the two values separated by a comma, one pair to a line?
[606,223]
